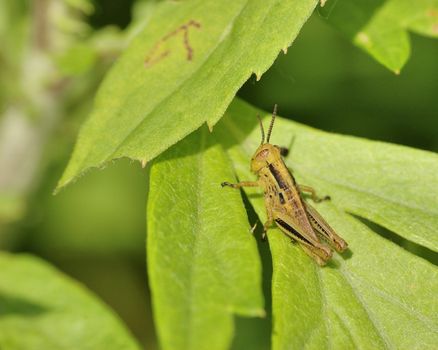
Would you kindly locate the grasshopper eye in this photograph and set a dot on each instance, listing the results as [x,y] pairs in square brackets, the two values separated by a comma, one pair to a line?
[262,154]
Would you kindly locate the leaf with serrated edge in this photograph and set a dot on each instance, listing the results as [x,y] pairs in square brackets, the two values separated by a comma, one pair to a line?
[381,27]
[376,296]
[142,109]
[42,309]
[202,259]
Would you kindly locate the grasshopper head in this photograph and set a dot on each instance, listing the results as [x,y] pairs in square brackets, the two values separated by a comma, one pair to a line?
[265,155]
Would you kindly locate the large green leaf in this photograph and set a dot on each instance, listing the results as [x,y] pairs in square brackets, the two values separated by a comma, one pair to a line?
[202,259]
[42,309]
[180,72]
[377,295]
[381,27]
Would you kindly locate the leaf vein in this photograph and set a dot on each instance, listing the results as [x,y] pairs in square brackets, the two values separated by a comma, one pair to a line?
[359,298]
[324,311]
[346,329]
[424,319]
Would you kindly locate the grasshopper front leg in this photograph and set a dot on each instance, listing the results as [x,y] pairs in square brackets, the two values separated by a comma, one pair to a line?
[241,184]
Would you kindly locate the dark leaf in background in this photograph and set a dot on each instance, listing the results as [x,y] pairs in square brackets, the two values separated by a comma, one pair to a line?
[380,27]
[42,309]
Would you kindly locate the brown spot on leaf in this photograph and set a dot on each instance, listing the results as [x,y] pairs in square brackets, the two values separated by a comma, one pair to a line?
[158,53]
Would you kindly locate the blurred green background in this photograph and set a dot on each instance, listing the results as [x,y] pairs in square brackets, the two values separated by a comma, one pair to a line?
[53,56]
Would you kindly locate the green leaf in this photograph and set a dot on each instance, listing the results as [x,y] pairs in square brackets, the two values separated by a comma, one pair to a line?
[181,71]
[42,309]
[381,27]
[203,262]
[377,295]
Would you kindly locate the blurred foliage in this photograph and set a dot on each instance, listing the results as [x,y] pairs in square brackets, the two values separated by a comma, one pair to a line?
[95,230]
[37,302]
[79,230]
[110,12]
[325,82]
[381,27]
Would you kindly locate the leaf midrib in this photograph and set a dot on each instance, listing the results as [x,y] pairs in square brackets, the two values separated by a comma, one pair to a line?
[364,306]
[324,309]
[199,225]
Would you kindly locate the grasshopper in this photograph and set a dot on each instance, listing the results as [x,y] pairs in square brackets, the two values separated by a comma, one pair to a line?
[285,204]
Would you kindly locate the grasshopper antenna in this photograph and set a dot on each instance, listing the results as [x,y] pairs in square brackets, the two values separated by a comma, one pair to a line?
[274,114]
[292,141]
[262,129]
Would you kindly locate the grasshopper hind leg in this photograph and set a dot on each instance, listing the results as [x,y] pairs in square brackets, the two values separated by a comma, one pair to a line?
[241,184]
[325,230]
[307,240]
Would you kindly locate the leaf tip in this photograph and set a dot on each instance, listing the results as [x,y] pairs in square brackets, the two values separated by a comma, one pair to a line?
[258,75]
[363,39]
[143,163]
[284,49]
[210,126]
[61,185]
[57,189]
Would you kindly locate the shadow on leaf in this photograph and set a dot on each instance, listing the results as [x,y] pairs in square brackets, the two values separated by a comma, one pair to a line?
[411,247]
[256,331]
[10,305]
